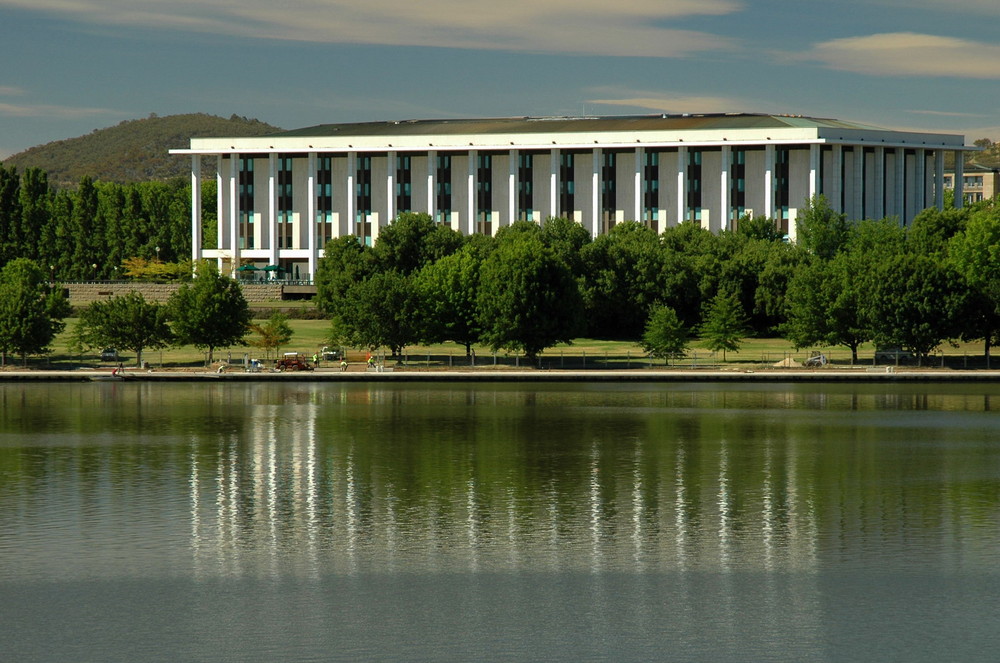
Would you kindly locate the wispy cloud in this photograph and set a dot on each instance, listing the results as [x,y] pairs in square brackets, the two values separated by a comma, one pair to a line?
[910,54]
[938,113]
[597,27]
[665,102]
[51,111]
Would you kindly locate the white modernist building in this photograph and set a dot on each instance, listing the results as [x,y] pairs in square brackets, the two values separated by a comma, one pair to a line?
[282,197]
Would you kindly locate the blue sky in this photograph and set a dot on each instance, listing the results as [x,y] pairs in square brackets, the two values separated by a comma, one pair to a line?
[73,66]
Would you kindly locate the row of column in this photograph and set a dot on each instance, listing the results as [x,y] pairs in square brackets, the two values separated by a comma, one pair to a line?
[229,187]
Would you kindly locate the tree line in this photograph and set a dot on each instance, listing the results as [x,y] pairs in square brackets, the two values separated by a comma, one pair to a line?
[90,231]
[531,286]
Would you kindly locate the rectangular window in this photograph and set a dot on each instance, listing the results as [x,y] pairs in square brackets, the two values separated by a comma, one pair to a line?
[651,188]
[363,195]
[246,203]
[566,186]
[782,157]
[442,197]
[404,183]
[484,194]
[284,202]
[738,195]
[609,186]
[525,175]
[324,200]
[694,186]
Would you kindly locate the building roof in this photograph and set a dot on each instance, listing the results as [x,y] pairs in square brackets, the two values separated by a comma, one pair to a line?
[532,125]
[541,133]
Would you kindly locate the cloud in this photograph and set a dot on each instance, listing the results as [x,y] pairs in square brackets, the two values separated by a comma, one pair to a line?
[910,54]
[596,27]
[670,103]
[50,111]
[937,113]
[10,91]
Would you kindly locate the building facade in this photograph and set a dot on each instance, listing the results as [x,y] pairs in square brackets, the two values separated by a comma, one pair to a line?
[978,183]
[282,197]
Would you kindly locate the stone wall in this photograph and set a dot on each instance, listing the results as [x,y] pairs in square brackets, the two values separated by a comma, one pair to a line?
[81,294]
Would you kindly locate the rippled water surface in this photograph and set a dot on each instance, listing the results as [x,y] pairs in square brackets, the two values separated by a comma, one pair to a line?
[314,521]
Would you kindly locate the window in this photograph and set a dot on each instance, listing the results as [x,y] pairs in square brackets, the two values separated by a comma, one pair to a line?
[694,186]
[324,200]
[442,197]
[651,188]
[285,202]
[738,195]
[404,183]
[363,194]
[609,181]
[484,194]
[566,201]
[246,203]
[525,198]
[782,157]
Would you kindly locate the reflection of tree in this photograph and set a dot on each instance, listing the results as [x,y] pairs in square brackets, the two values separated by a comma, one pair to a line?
[338,477]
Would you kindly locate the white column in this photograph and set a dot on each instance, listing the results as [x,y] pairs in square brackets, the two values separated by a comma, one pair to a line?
[900,184]
[352,196]
[879,211]
[220,205]
[639,193]
[513,162]
[919,181]
[837,179]
[234,208]
[471,220]
[939,179]
[769,181]
[725,186]
[311,216]
[682,157]
[815,155]
[390,187]
[272,207]
[959,179]
[431,181]
[596,215]
[195,207]
[554,183]
[859,181]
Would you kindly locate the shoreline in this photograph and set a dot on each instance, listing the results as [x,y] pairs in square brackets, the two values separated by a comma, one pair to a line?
[643,375]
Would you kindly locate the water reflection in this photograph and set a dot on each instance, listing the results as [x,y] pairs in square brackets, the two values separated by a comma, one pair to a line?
[313,479]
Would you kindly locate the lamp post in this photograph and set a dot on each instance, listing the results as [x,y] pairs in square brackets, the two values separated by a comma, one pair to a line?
[157,253]
[95,270]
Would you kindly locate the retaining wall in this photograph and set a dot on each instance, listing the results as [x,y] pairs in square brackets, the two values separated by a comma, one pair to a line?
[81,294]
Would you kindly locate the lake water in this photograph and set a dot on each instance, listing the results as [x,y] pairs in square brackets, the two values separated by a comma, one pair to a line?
[327,522]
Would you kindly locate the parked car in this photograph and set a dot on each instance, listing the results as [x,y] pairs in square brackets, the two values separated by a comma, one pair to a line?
[893,355]
[331,354]
[293,361]
[109,354]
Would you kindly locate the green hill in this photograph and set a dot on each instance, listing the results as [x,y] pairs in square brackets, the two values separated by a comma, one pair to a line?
[132,151]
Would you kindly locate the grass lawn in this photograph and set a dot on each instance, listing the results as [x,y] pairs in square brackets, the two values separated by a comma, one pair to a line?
[311,335]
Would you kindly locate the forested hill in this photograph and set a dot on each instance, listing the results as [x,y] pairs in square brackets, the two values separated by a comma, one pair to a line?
[132,151]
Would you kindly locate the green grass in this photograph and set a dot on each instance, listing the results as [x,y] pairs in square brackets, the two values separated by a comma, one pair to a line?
[311,335]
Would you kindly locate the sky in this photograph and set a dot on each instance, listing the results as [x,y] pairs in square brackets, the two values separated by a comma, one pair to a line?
[74,66]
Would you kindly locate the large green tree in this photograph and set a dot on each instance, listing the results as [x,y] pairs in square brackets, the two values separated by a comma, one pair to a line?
[448,291]
[532,300]
[665,336]
[30,314]
[127,322]
[345,263]
[820,230]
[413,240]
[209,312]
[725,323]
[975,254]
[382,313]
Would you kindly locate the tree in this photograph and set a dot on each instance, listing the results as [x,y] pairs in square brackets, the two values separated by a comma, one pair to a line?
[532,301]
[913,302]
[210,312]
[759,227]
[30,315]
[273,334]
[665,336]
[975,254]
[382,313]
[623,272]
[448,290]
[127,322]
[345,263]
[820,230]
[413,240]
[725,323]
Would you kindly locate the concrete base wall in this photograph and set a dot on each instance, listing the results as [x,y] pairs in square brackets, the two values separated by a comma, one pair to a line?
[81,294]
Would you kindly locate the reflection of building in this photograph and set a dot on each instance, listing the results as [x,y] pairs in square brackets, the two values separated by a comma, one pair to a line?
[282,197]
[978,182]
